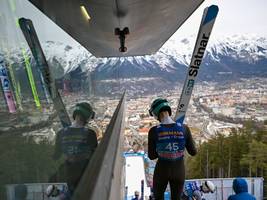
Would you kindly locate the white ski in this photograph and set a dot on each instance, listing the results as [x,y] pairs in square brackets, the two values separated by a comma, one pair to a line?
[207,22]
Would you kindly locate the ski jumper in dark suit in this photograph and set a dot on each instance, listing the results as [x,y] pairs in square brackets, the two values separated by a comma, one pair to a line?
[167,142]
[77,145]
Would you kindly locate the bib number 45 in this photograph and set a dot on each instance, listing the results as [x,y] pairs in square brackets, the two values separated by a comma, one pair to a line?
[172,146]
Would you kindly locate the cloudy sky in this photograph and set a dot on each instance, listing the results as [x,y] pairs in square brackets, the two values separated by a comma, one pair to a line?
[235,17]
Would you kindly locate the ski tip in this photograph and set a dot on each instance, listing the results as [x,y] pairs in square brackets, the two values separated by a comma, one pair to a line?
[21,20]
[211,13]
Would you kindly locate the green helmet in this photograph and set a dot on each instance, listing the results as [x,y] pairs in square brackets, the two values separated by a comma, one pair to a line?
[159,105]
[85,110]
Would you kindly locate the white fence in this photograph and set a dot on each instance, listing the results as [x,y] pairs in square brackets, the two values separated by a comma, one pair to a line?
[36,191]
[224,188]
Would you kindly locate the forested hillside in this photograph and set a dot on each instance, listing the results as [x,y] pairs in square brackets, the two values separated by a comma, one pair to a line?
[242,153]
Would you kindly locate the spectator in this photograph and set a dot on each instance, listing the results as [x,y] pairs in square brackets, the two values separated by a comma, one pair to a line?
[136,195]
[240,188]
[194,191]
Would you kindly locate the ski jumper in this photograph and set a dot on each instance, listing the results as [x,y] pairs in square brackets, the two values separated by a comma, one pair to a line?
[167,142]
[77,145]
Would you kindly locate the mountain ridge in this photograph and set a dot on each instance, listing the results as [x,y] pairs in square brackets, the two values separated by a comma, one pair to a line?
[236,54]
[226,59]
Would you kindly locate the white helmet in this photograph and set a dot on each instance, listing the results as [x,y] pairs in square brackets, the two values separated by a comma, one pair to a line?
[51,191]
[208,186]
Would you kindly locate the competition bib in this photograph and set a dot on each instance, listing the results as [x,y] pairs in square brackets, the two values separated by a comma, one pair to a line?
[171,142]
[74,143]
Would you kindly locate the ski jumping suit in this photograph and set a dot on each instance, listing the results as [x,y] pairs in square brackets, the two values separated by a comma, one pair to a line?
[167,142]
[191,189]
[77,145]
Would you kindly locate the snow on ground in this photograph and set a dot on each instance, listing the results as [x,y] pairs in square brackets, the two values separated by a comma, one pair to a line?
[135,173]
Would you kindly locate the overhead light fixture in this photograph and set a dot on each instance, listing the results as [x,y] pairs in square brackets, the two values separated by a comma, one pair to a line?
[85,13]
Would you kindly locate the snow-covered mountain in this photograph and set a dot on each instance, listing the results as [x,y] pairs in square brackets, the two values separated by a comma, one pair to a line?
[237,55]
[226,58]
